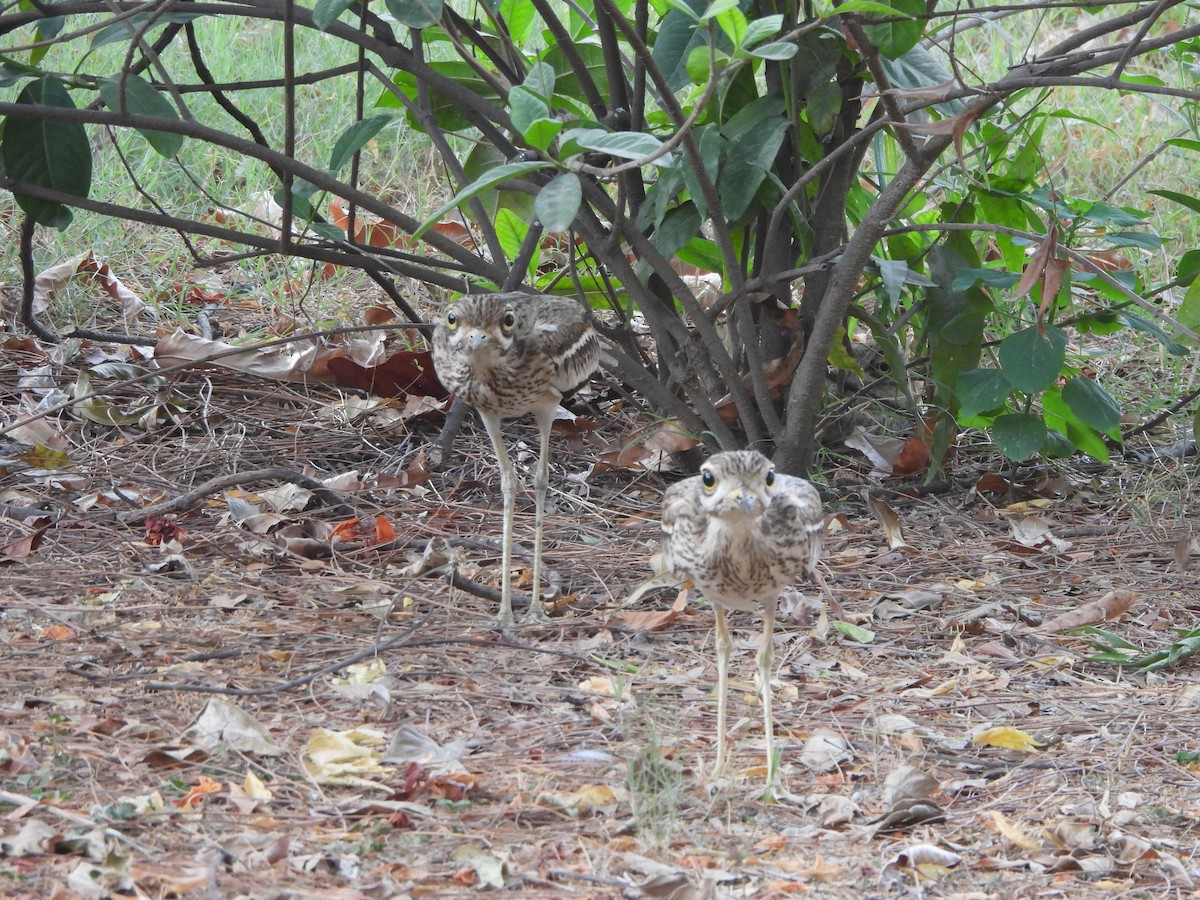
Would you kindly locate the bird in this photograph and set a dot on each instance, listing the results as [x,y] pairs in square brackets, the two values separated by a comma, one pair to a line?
[509,354]
[742,533]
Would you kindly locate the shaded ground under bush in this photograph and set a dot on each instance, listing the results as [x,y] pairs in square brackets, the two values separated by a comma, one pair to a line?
[257,697]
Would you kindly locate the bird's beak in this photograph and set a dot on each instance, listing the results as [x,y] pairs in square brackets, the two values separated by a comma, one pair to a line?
[476,338]
[745,500]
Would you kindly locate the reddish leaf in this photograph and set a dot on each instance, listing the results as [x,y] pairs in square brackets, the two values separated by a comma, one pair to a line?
[1036,267]
[384,532]
[346,530]
[991,483]
[914,456]
[404,373]
[23,546]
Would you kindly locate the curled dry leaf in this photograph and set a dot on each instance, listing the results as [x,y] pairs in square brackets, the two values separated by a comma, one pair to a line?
[1007,738]
[1108,608]
[222,723]
[882,451]
[824,750]
[285,362]
[1034,532]
[1014,834]
[893,528]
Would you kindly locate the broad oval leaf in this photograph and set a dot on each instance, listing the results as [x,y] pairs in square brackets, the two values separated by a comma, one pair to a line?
[1091,403]
[625,144]
[416,13]
[141,98]
[54,155]
[519,16]
[558,202]
[776,50]
[1019,435]
[761,29]
[354,139]
[1031,360]
[981,390]
[326,12]
[487,180]
[1143,239]
[895,38]
[525,108]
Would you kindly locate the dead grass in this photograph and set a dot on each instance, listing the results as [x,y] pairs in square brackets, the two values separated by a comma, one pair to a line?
[577,756]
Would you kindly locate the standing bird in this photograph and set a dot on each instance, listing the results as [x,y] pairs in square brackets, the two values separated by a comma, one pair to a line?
[742,533]
[507,355]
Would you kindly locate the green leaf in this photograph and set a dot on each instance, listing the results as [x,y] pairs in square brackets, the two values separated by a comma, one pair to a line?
[519,16]
[541,132]
[1188,314]
[1136,322]
[625,144]
[678,35]
[1112,216]
[869,7]
[54,155]
[734,24]
[856,633]
[416,13]
[715,8]
[1032,360]
[701,253]
[354,139]
[746,164]
[776,50]
[140,24]
[525,108]
[558,202]
[1192,203]
[1019,435]
[326,12]
[679,226]
[1143,239]
[1188,267]
[761,29]
[894,39]
[486,181]
[540,78]
[1093,405]
[142,99]
[1001,279]
[980,391]
[510,232]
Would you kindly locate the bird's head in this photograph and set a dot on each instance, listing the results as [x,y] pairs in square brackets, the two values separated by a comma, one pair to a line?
[484,326]
[737,485]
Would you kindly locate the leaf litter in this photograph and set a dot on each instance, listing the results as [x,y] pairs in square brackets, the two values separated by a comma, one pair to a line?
[255,694]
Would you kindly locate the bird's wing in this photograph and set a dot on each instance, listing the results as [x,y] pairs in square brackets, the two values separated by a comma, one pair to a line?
[678,521]
[795,512]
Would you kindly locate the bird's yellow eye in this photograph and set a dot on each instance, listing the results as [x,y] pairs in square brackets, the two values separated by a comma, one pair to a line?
[770,479]
[509,320]
[709,480]
[451,320]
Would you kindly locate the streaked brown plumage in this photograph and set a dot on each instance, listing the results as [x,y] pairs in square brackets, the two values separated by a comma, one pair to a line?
[507,355]
[742,534]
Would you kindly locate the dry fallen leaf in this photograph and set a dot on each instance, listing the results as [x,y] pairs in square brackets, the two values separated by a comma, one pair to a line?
[1108,608]
[1007,738]
[893,528]
[1013,833]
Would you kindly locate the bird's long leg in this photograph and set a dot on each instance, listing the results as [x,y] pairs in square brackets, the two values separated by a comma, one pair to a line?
[541,481]
[764,675]
[508,485]
[724,644]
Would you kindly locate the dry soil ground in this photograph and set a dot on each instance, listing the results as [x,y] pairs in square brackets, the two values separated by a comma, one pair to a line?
[257,696]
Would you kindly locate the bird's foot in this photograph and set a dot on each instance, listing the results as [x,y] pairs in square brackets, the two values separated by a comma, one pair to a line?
[536,614]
